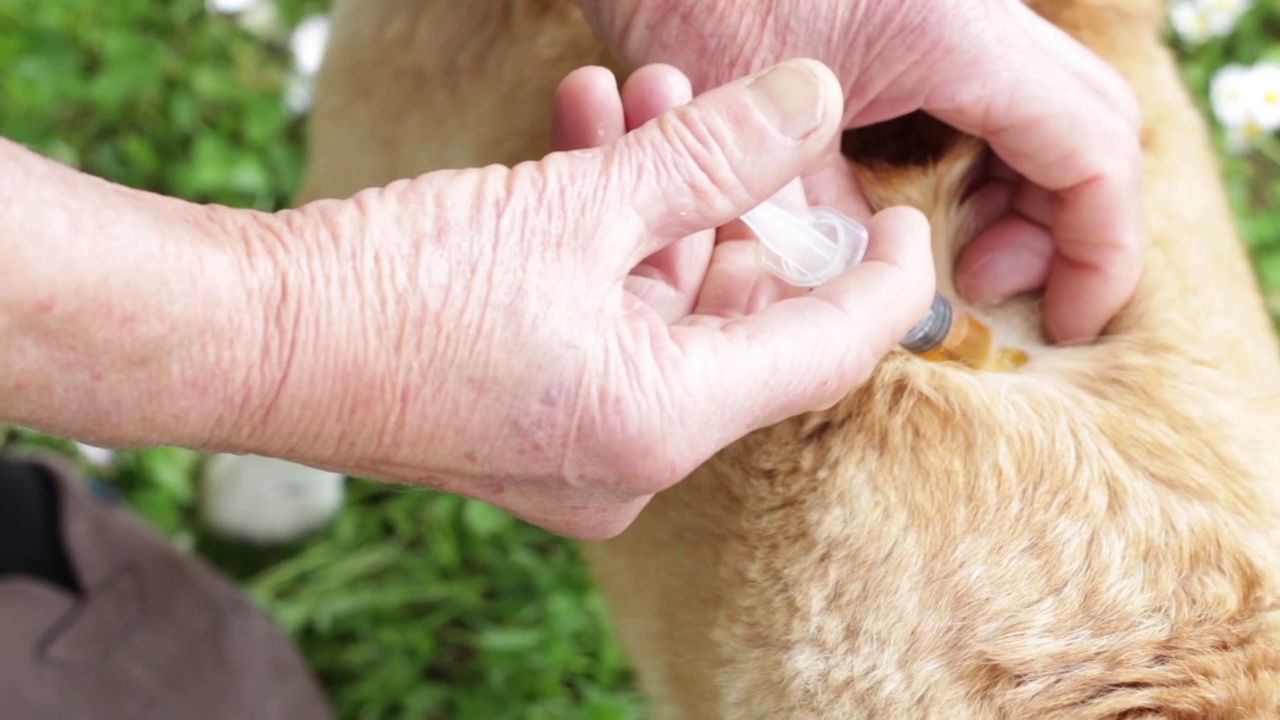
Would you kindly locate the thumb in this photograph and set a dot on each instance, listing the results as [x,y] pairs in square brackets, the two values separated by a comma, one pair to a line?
[704,164]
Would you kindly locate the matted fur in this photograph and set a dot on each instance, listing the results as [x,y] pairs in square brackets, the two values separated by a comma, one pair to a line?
[1093,536]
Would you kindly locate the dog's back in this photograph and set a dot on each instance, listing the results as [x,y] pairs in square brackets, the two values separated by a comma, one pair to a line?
[1094,535]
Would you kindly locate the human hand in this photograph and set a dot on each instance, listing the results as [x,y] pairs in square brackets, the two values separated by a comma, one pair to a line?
[1067,193]
[563,338]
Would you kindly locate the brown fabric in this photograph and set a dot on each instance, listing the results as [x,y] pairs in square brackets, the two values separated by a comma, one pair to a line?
[157,634]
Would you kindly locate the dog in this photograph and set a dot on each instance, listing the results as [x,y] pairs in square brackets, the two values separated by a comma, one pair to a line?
[1093,535]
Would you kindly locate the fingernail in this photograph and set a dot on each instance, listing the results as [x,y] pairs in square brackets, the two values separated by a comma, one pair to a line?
[790,96]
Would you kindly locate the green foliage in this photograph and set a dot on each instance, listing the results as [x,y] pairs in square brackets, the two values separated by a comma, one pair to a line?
[1253,178]
[412,604]
[159,483]
[422,605]
[159,96]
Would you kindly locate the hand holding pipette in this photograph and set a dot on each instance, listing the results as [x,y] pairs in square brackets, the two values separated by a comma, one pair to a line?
[809,246]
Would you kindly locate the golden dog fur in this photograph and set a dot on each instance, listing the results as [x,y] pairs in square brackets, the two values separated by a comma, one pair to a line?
[1096,535]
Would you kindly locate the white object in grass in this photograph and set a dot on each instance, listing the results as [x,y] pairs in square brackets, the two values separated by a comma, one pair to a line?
[1196,21]
[300,94]
[261,20]
[308,42]
[1264,98]
[1228,94]
[229,7]
[1246,102]
[97,456]
[265,500]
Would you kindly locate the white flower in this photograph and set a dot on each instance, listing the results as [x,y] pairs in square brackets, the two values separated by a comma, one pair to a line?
[1241,138]
[1229,90]
[1264,95]
[1195,21]
[1189,21]
[1228,8]
[1224,14]
[262,20]
[229,7]
[265,500]
[308,42]
[100,457]
[1246,101]
[300,94]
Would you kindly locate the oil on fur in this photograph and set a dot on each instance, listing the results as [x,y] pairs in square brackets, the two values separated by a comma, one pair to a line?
[1096,535]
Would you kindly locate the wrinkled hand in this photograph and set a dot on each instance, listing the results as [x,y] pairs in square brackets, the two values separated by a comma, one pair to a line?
[1067,194]
[540,338]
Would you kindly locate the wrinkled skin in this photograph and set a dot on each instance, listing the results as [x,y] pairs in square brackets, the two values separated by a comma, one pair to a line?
[1065,191]
[565,338]
[531,336]
[541,340]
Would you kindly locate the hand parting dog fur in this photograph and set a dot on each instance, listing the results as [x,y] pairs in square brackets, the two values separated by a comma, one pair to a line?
[1095,535]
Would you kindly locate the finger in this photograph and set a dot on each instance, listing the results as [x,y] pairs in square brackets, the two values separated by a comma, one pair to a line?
[1059,136]
[668,280]
[1012,256]
[1051,143]
[995,198]
[737,285]
[586,110]
[1095,273]
[653,90]
[703,164]
[1087,67]
[989,203]
[1013,249]
[806,352]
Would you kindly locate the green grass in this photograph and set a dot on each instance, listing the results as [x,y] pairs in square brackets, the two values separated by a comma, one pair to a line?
[413,604]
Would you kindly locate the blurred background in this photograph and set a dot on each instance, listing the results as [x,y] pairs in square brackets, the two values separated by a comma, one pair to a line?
[413,604]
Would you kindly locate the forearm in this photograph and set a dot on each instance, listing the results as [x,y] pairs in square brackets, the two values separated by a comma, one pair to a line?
[123,315]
